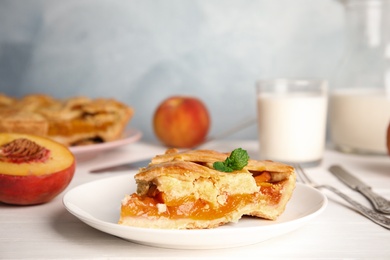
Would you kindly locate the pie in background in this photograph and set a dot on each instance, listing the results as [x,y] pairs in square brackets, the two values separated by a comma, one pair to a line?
[73,121]
[182,190]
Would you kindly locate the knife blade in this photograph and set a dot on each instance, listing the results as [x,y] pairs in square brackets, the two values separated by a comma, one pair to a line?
[144,162]
[379,203]
[124,167]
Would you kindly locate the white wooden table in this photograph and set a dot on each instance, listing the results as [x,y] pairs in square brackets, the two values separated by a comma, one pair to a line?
[49,231]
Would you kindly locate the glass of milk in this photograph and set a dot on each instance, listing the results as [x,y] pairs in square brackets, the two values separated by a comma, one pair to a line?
[358,120]
[292,116]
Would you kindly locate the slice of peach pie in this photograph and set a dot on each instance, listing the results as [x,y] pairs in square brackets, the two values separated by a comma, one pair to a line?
[184,190]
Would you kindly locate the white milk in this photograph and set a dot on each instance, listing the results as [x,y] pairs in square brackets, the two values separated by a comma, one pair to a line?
[359,119]
[292,128]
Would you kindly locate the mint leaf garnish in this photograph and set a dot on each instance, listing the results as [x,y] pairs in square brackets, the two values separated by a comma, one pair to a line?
[237,160]
[220,166]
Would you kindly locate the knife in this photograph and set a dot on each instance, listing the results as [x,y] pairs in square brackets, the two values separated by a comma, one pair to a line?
[380,203]
[124,166]
[144,162]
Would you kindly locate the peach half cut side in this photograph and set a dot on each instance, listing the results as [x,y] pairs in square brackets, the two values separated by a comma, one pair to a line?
[37,181]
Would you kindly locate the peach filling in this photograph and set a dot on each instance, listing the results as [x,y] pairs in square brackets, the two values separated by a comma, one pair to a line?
[76,126]
[197,209]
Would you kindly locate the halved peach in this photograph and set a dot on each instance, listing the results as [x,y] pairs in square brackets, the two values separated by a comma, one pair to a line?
[33,169]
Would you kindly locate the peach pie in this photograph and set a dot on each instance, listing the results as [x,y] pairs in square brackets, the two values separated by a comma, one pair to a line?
[72,121]
[184,190]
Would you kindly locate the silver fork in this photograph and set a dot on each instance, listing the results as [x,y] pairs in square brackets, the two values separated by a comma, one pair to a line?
[369,213]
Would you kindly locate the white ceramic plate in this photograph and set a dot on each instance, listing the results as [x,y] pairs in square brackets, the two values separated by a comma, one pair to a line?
[98,204]
[86,152]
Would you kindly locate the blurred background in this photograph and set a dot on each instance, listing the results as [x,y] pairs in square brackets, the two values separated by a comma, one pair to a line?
[142,51]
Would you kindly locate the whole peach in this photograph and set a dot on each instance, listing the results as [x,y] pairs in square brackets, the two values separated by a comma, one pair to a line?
[181,121]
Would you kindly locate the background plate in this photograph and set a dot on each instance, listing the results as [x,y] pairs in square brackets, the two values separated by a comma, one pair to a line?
[86,152]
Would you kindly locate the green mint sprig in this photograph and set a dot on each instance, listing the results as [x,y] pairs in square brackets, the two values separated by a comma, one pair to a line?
[237,160]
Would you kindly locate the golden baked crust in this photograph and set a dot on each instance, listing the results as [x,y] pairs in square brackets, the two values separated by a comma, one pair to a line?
[183,191]
[73,121]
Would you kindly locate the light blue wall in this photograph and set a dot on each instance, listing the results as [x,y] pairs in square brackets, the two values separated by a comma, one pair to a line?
[141,51]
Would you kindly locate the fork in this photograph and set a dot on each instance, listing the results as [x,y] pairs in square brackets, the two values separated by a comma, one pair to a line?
[369,213]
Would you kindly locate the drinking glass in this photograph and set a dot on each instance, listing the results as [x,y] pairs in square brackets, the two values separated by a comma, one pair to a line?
[292,120]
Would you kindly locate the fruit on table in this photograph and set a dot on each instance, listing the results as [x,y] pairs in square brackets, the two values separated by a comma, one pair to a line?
[181,121]
[33,169]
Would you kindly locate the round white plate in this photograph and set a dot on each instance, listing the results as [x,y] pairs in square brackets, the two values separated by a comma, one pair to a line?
[86,152]
[98,204]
